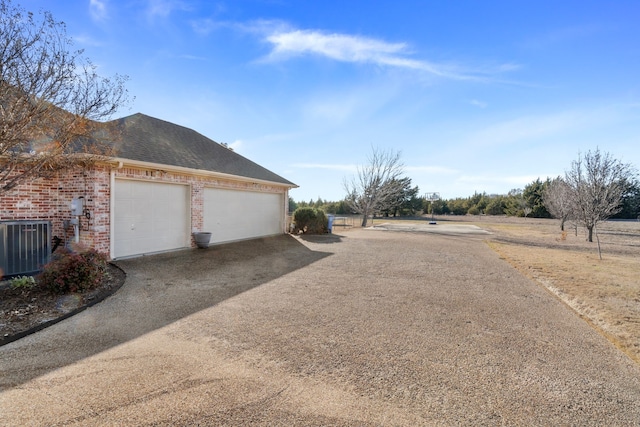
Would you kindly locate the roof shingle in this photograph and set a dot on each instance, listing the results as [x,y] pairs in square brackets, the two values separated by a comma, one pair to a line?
[148,139]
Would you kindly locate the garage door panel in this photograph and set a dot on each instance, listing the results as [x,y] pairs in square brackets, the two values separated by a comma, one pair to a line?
[173,209]
[124,208]
[235,215]
[141,226]
[150,217]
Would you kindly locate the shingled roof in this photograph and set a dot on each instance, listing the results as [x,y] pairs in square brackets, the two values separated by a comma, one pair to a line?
[148,139]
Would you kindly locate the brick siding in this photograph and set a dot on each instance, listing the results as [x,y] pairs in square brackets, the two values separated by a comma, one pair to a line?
[50,199]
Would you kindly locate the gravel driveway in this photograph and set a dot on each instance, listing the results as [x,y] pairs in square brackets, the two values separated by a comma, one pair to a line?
[362,328]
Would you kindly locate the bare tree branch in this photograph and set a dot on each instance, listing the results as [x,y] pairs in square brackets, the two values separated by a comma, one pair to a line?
[557,200]
[597,183]
[368,190]
[51,99]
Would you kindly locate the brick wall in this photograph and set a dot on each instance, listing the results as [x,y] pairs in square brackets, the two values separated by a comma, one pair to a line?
[50,199]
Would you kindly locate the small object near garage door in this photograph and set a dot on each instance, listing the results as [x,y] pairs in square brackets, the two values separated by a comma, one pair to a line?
[150,217]
[232,215]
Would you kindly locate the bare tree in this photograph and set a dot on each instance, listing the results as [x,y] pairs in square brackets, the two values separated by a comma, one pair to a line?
[557,199]
[51,98]
[597,183]
[371,188]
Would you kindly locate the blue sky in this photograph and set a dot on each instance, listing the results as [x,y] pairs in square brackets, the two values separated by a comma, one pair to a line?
[479,96]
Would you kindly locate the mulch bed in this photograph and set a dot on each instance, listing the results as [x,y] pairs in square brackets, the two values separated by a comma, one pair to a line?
[25,311]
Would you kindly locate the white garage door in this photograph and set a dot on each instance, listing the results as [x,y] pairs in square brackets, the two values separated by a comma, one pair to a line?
[236,215]
[150,217]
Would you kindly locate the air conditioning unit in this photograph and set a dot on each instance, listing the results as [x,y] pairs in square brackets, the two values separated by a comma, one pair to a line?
[25,246]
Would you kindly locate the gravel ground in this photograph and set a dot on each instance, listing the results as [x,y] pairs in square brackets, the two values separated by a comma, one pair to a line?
[361,328]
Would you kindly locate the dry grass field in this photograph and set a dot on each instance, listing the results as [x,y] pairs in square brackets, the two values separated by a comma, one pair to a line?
[605,292]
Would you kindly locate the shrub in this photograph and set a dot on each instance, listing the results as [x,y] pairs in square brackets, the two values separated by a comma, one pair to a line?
[495,206]
[473,210]
[310,221]
[73,271]
[22,282]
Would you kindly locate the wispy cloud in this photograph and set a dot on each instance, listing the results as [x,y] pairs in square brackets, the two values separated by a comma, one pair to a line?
[353,167]
[193,57]
[340,167]
[564,35]
[164,8]
[431,169]
[336,46]
[346,104]
[581,121]
[497,183]
[508,67]
[354,49]
[289,42]
[98,10]
[332,110]
[87,40]
[204,26]
[477,103]
[530,127]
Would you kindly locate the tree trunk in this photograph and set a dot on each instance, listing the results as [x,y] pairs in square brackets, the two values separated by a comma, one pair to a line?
[590,237]
[365,217]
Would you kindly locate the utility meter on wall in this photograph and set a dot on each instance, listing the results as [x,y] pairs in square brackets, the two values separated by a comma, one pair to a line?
[76,207]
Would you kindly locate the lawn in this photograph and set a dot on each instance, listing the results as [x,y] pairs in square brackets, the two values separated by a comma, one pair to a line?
[605,292]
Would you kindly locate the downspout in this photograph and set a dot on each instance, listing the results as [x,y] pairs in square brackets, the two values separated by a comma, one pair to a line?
[286,224]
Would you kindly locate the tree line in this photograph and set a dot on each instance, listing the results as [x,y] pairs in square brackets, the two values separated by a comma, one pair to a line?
[596,187]
[409,203]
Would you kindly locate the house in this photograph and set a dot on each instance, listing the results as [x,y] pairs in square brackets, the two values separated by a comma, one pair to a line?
[163,183]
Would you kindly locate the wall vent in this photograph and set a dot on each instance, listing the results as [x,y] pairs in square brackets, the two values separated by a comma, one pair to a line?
[25,246]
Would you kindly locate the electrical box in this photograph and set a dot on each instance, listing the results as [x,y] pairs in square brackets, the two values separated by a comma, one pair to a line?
[76,207]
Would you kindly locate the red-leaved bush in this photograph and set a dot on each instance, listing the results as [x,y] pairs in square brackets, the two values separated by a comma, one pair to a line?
[71,271]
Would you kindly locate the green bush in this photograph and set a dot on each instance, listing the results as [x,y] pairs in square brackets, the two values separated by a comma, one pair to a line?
[22,282]
[310,221]
[495,206]
[73,271]
[473,210]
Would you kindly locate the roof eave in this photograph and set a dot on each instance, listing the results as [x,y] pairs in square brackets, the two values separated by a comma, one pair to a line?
[122,162]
